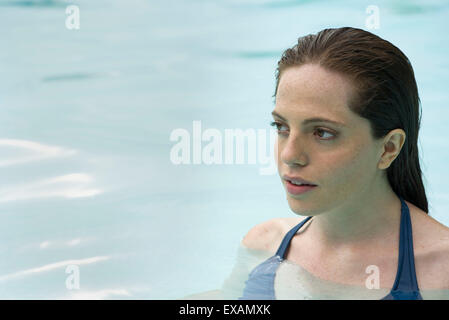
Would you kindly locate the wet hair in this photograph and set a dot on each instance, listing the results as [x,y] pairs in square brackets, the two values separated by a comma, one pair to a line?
[386,93]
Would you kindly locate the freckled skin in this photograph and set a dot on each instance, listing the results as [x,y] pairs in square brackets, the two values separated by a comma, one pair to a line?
[341,167]
[356,214]
[353,200]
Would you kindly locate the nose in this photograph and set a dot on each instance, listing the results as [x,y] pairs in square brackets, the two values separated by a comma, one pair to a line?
[292,152]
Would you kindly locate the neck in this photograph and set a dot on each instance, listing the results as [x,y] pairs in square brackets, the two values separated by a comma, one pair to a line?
[372,216]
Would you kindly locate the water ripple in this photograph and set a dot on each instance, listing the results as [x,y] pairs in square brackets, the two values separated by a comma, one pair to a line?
[31,3]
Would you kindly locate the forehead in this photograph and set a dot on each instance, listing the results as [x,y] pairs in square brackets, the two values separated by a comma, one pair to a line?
[313,90]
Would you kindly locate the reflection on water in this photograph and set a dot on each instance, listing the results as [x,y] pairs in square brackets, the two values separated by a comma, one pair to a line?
[85,121]
[293,282]
[246,261]
[35,3]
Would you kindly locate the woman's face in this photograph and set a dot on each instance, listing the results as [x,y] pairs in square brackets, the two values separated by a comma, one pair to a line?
[341,159]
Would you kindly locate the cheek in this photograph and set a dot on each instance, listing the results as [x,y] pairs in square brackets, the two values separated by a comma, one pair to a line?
[347,171]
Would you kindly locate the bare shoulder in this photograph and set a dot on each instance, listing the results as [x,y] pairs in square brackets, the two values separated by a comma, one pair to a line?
[267,235]
[445,265]
[434,273]
[440,257]
[431,248]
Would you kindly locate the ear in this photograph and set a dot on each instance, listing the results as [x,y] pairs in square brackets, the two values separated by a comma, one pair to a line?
[391,147]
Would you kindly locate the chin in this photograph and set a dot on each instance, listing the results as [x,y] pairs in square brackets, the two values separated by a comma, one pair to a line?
[297,206]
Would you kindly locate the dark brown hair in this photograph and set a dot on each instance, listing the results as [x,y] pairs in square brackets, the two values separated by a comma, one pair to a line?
[386,93]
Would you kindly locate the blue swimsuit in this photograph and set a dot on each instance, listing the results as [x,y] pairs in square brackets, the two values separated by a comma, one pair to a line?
[260,283]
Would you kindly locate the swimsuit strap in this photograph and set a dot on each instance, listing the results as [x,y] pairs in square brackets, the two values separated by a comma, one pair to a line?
[406,274]
[288,237]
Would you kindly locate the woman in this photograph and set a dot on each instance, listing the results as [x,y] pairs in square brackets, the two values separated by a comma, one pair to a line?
[347,116]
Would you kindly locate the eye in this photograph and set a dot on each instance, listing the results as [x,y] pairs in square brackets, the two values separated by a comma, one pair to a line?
[278,126]
[322,131]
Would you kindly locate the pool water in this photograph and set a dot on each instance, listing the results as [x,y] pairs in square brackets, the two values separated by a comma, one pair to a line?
[295,282]
[92,205]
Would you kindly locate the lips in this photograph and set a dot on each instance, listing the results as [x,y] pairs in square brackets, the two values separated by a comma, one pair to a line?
[296,180]
[296,190]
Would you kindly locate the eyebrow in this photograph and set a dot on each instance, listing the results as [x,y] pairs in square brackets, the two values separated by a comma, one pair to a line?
[311,120]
